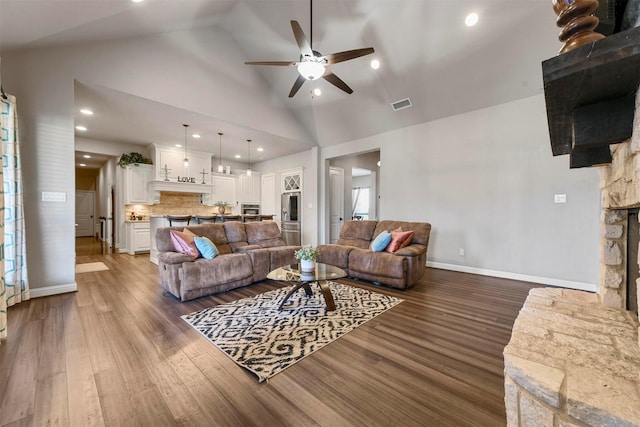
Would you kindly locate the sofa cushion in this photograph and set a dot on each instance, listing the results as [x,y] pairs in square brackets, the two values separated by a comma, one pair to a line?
[183,242]
[206,247]
[381,241]
[399,239]
[235,232]
[337,255]
[421,229]
[203,273]
[378,266]
[358,233]
[215,233]
[266,234]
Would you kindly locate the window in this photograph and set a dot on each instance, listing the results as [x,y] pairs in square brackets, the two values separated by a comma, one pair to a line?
[360,202]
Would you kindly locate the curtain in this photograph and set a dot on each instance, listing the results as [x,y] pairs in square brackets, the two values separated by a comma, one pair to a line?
[14,286]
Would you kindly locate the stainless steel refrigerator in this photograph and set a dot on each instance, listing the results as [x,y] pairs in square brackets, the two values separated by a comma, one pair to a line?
[290,217]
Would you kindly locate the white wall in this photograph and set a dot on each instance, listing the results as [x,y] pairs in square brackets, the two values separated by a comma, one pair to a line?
[182,69]
[308,161]
[486,180]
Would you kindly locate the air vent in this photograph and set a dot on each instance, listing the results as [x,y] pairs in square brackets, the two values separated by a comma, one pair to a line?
[403,103]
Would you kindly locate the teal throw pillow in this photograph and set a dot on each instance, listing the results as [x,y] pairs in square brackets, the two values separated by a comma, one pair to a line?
[206,247]
[381,241]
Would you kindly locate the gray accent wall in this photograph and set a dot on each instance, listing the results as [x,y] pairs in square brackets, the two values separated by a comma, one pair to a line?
[486,182]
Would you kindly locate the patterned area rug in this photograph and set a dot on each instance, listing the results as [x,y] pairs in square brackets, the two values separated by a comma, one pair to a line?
[90,267]
[265,340]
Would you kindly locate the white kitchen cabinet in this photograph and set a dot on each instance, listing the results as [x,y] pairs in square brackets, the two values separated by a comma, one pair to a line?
[173,159]
[138,237]
[136,178]
[224,189]
[249,188]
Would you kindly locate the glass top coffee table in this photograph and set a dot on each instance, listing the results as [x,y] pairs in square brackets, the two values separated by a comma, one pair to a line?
[320,275]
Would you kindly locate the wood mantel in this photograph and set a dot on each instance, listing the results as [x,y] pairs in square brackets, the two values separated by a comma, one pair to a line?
[590,97]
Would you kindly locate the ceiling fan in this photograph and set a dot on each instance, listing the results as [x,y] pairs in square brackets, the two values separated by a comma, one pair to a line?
[312,64]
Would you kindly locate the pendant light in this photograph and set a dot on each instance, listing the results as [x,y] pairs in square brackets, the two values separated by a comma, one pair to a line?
[249,157]
[186,159]
[220,166]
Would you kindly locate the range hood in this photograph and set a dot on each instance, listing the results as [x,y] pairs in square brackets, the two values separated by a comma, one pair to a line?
[155,187]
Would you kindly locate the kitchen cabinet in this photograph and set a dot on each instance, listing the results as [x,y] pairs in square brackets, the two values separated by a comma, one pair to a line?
[291,180]
[136,178]
[138,237]
[224,189]
[249,188]
[173,159]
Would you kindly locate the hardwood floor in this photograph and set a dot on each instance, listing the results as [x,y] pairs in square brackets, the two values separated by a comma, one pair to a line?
[117,353]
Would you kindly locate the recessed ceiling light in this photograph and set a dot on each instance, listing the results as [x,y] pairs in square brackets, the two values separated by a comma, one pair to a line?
[195,135]
[137,1]
[86,156]
[81,128]
[178,145]
[260,149]
[317,91]
[237,156]
[471,19]
[86,112]
[83,164]
[375,64]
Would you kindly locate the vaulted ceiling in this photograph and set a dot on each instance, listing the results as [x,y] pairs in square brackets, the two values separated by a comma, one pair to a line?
[426,51]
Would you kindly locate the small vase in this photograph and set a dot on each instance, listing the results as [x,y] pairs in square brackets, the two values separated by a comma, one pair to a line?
[307,265]
[220,210]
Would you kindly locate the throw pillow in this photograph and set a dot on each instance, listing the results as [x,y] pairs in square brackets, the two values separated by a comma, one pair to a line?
[206,247]
[381,241]
[399,239]
[183,242]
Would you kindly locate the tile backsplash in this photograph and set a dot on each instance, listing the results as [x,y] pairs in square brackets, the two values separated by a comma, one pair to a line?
[176,204]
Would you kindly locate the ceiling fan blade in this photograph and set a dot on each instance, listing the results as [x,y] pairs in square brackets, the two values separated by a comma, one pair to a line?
[301,39]
[334,58]
[296,86]
[282,63]
[336,81]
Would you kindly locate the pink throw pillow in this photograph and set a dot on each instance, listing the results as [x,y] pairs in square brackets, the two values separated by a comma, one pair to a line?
[183,242]
[399,239]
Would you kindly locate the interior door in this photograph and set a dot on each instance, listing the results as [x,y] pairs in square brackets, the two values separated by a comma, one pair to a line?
[268,196]
[336,202]
[84,213]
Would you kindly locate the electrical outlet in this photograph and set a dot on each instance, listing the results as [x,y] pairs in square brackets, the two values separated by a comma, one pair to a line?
[461,252]
[560,198]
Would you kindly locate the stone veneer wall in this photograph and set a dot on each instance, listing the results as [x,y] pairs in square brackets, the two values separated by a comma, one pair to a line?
[620,190]
[574,357]
[572,362]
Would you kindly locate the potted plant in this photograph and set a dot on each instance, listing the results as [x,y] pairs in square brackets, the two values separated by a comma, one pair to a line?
[307,256]
[133,158]
[221,206]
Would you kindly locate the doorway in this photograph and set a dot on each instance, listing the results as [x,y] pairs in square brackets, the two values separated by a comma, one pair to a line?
[85,207]
[336,202]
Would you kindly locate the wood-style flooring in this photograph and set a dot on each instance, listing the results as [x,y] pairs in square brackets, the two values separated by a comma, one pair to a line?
[116,353]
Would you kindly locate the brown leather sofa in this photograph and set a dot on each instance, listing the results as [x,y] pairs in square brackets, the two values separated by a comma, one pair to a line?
[399,270]
[247,253]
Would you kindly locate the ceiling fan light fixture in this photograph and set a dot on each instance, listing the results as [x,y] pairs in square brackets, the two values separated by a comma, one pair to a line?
[311,70]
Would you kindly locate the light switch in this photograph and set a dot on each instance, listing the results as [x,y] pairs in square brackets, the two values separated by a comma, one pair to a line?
[560,198]
[51,196]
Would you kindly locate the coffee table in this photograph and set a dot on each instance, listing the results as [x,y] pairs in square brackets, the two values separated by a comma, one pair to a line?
[320,275]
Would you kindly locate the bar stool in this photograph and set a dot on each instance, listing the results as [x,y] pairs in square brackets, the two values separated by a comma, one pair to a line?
[266,217]
[203,219]
[180,219]
[226,218]
[250,218]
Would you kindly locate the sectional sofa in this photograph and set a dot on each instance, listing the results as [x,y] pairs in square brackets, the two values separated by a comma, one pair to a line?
[247,253]
[353,253]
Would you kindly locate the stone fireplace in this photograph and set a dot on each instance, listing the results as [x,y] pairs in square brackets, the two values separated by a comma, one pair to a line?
[574,356]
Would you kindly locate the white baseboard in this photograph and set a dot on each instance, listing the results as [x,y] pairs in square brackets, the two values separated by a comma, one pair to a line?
[53,290]
[590,287]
